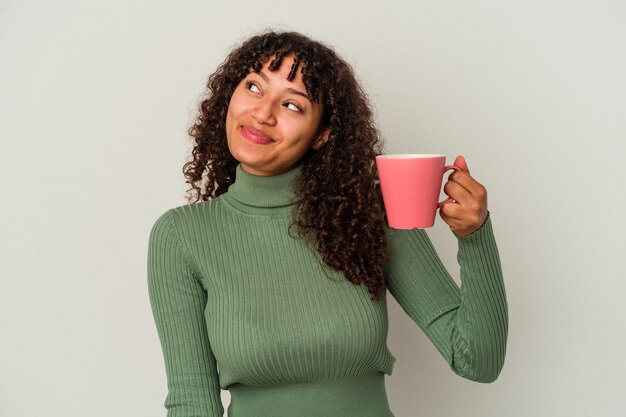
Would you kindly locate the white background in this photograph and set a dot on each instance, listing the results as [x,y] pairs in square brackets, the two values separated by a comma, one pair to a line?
[95,100]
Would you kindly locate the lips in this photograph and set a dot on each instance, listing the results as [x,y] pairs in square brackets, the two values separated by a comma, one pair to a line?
[255,135]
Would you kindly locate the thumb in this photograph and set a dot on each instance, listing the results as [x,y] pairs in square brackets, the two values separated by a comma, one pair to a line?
[461,163]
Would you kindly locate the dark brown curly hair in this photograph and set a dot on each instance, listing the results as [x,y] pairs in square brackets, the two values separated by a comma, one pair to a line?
[340,210]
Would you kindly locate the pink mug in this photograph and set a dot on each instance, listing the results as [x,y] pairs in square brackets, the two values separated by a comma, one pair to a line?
[410,184]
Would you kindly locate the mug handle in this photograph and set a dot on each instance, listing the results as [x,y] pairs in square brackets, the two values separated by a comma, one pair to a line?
[448,200]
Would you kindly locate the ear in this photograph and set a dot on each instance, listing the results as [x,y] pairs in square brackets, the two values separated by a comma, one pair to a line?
[321,140]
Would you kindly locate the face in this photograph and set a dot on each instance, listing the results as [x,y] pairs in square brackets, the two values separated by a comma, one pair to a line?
[271,123]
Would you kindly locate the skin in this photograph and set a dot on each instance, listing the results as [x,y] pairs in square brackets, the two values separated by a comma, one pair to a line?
[469,211]
[291,120]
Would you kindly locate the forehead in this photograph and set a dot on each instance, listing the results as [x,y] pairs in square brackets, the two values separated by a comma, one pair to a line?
[287,68]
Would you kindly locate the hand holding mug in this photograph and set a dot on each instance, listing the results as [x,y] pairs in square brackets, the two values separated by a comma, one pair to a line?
[468,212]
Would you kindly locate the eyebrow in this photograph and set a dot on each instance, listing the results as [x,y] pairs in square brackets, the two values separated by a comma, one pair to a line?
[291,90]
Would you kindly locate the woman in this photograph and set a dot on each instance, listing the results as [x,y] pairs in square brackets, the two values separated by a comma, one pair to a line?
[273,285]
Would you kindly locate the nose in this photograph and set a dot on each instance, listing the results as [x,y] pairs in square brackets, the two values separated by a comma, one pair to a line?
[263,112]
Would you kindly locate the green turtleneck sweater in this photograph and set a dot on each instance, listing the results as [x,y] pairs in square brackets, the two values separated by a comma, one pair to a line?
[241,305]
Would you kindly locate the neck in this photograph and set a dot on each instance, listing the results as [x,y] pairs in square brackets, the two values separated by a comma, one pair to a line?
[263,194]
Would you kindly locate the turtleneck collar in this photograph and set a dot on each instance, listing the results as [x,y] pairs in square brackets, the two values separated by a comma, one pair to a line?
[257,194]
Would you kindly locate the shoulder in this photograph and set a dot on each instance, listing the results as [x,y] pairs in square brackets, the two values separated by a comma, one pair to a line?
[399,235]
[167,221]
[185,213]
[170,229]
[185,221]
[163,228]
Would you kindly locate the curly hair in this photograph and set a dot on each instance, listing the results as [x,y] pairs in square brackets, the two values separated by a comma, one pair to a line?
[340,210]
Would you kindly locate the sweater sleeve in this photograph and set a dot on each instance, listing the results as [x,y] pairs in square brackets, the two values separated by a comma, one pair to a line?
[178,300]
[467,325]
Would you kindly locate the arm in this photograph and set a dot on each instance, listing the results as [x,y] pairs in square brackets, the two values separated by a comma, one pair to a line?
[178,300]
[467,325]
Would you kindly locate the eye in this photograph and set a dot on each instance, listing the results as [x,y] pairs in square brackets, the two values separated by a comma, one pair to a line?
[293,107]
[250,84]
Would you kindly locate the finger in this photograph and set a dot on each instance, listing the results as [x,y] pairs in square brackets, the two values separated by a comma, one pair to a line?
[466,181]
[457,192]
[461,163]
[450,212]
[443,215]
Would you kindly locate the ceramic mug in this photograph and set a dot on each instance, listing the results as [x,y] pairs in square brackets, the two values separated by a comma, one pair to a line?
[411,184]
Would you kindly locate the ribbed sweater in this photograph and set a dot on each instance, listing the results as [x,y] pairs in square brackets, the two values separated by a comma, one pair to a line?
[242,305]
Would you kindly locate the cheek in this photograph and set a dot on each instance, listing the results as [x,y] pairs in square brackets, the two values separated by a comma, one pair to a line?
[229,118]
[309,130]
[231,113]
[231,123]
[236,108]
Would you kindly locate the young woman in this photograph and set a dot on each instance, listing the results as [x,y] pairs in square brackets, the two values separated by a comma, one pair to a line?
[273,283]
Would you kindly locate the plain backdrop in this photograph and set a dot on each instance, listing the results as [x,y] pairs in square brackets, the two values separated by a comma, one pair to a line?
[95,100]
